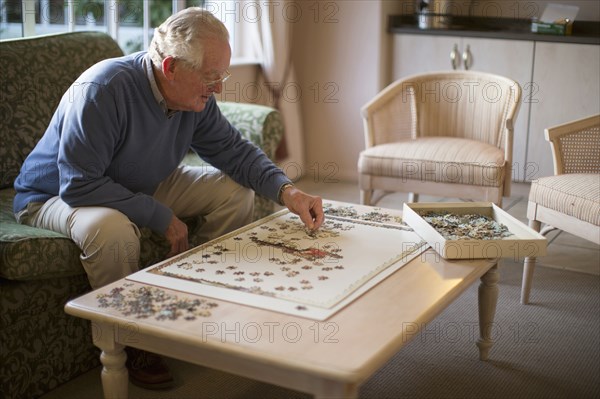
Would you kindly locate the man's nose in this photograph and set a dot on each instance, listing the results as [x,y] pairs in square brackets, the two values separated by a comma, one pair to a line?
[217,88]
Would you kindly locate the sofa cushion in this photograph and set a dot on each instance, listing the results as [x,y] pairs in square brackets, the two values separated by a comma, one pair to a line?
[29,253]
[439,159]
[22,247]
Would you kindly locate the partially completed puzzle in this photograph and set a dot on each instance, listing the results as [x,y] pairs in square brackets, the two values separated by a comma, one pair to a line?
[276,264]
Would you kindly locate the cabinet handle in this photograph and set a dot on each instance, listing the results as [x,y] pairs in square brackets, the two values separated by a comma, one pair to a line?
[454,57]
[467,58]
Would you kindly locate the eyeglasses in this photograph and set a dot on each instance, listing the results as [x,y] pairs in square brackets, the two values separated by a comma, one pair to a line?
[209,83]
[223,79]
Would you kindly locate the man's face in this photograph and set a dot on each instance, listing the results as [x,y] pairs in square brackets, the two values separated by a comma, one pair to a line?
[189,90]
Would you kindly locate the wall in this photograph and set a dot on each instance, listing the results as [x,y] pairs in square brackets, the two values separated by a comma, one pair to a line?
[341,62]
[242,86]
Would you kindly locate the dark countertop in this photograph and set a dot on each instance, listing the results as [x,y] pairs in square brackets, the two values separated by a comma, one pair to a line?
[584,32]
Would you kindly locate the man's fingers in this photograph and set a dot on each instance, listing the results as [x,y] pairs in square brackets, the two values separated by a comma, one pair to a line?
[184,245]
[178,246]
[177,235]
[306,218]
[317,213]
[319,218]
[308,207]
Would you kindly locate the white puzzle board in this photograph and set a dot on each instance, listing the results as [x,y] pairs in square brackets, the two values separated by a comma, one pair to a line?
[276,264]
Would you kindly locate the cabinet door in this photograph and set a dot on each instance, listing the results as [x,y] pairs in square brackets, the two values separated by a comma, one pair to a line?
[422,53]
[566,86]
[512,59]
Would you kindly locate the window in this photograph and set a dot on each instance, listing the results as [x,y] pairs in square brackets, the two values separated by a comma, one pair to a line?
[130,22]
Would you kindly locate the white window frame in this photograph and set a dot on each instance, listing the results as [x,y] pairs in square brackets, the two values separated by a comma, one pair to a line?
[227,10]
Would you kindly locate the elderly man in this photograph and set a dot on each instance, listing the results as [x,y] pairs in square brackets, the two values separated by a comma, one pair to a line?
[109,161]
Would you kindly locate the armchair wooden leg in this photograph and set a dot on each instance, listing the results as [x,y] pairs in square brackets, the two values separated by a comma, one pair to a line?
[413,197]
[365,197]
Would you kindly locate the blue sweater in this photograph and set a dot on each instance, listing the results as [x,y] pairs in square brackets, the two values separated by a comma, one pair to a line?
[110,144]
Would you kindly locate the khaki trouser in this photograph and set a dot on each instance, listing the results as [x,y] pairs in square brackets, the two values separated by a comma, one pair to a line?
[110,242]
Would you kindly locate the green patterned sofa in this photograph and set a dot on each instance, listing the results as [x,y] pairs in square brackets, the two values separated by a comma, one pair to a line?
[40,346]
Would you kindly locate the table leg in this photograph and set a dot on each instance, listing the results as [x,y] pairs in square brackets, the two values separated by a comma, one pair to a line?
[114,373]
[488,299]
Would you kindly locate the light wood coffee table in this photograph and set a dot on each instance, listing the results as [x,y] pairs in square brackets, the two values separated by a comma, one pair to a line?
[326,358]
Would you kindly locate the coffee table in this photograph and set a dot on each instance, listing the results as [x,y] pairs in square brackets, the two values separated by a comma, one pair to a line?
[328,358]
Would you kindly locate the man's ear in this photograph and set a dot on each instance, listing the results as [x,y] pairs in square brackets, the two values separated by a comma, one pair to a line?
[168,67]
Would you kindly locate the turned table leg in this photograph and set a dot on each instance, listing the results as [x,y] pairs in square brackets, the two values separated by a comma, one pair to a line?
[113,357]
[488,299]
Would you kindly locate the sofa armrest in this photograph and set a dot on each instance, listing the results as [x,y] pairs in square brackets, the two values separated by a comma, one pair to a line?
[263,126]
[260,124]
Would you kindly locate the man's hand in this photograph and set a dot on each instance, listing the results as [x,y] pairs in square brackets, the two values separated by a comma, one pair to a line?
[308,207]
[177,235]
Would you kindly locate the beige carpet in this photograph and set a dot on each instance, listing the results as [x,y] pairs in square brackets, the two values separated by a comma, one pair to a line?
[548,349]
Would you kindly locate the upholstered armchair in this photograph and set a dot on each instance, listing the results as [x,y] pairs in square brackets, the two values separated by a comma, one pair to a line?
[447,134]
[569,200]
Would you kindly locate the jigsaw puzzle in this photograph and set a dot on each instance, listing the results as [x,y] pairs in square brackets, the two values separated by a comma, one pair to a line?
[278,265]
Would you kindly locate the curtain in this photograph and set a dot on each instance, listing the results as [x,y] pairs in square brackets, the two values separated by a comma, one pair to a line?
[271,33]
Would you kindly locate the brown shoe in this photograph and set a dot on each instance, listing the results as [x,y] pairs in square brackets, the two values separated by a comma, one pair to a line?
[148,370]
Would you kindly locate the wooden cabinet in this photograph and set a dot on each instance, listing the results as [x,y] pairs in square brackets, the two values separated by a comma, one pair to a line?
[566,86]
[511,58]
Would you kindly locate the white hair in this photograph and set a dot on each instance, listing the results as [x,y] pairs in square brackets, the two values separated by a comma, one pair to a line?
[183,34]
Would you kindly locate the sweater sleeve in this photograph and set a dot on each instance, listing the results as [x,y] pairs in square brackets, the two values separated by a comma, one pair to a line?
[222,145]
[90,135]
